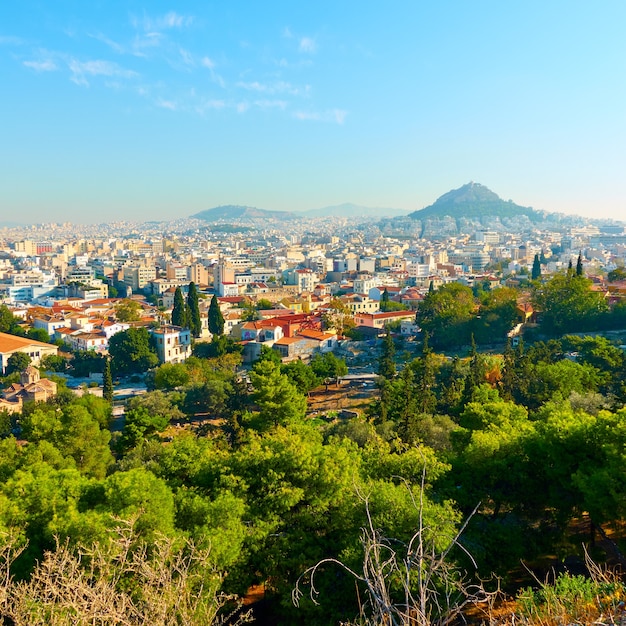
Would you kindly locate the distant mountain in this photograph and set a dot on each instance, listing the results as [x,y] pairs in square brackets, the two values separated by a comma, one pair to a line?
[348,209]
[474,201]
[236,212]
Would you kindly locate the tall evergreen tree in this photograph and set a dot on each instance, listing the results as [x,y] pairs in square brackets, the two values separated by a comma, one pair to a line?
[107,382]
[536,271]
[579,265]
[431,286]
[570,267]
[408,410]
[193,310]
[179,313]
[386,363]
[216,319]
[384,300]
[426,371]
[476,373]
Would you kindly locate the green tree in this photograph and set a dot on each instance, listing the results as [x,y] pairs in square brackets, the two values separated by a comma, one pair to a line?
[328,365]
[8,321]
[497,315]
[301,375]
[386,361]
[193,310]
[276,396]
[619,273]
[218,346]
[216,319]
[85,362]
[536,271]
[17,362]
[447,314]
[268,354]
[38,334]
[128,310]
[141,424]
[54,363]
[264,304]
[74,432]
[170,376]
[132,351]
[179,312]
[579,265]
[107,382]
[567,303]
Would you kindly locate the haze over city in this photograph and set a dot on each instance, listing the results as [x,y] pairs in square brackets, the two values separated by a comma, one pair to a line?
[151,111]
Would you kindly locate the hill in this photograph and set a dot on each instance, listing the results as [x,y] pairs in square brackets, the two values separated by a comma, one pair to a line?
[237,212]
[474,201]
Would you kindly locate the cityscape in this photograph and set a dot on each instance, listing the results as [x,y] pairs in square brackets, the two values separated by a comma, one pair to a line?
[312,314]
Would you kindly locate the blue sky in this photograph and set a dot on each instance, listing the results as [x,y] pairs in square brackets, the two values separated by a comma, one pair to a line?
[126,110]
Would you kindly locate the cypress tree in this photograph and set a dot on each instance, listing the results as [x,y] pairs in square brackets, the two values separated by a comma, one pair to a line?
[476,373]
[570,267]
[179,313]
[216,319]
[386,364]
[536,271]
[579,265]
[193,310]
[107,382]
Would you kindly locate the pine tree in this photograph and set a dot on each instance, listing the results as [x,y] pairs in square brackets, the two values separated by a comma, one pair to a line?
[193,310]
[107,382]
[216,319]
[579,265]
[536,271]
[179,313]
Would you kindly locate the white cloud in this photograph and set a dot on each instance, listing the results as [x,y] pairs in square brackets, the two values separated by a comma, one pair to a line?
[167,104]
[116,47]
[80,70]
[242,107]
[163,22]
[337,116]
[307,45]
[271,104]
[340,115]
[210,65]
[210,105]
[287,33]
[187,57]
[46,65]
[277,87]
[304,115]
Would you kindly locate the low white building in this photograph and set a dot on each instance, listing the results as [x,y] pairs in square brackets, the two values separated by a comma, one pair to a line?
[173,343]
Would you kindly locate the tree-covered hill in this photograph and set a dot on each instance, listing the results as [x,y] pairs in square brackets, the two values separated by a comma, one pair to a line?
[474,201]
[238,212]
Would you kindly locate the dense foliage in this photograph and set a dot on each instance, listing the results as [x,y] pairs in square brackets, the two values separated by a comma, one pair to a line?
[535,437]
